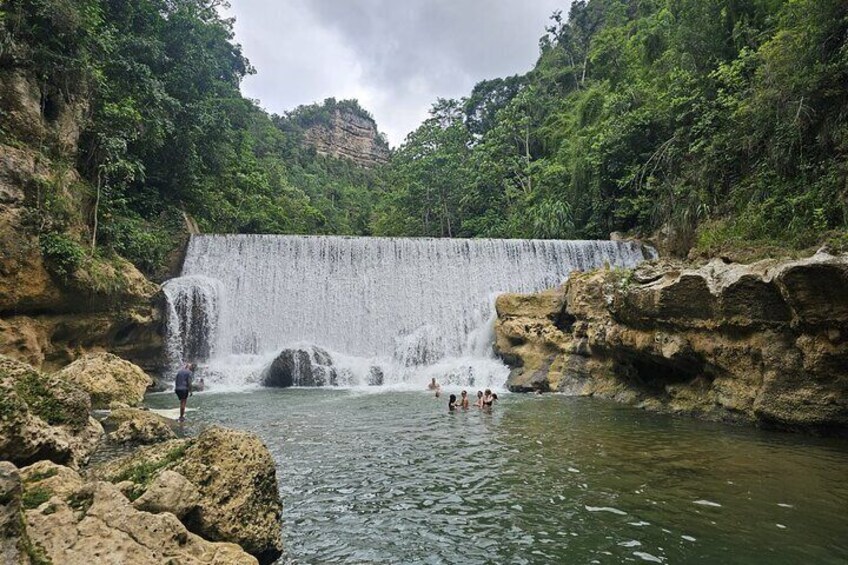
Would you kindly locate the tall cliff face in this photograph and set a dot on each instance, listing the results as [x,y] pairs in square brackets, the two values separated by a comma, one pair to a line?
[765,343]
[57,298]
[348,135]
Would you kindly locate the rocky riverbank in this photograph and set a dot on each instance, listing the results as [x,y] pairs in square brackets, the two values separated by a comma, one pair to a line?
[765,343]
[209,499]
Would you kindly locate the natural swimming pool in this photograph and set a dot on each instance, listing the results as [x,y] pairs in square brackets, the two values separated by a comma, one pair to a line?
[392,477]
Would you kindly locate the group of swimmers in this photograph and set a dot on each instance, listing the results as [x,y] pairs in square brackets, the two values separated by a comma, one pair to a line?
[485,400]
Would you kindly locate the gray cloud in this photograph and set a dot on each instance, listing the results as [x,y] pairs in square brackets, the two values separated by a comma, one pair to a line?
[395,56]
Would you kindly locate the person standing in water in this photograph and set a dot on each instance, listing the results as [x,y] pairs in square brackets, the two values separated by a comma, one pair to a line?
[434,386]
[452,403]
[489,399]
[463,400]
[479,403]
[182,386]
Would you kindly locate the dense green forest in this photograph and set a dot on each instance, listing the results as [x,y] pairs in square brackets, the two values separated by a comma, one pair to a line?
[166,130]
[724,122]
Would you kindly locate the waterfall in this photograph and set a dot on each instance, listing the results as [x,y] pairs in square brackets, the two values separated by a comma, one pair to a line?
[409,308]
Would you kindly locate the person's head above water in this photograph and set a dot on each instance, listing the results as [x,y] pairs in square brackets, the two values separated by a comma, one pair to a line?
[479,394]
[433,380]
[452,399]
[488,392]
[464,394]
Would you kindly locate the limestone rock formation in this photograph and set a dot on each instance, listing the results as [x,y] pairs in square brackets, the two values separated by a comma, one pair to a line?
[48,319]
[348,135]
[169,492]
[764,343]
[234,475]
[138,426]
[43,417]
[12,540]
[74,522]
[237,480]
[107,378]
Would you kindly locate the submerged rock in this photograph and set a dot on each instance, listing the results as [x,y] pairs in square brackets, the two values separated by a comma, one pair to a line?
[43,417]
[108,378]
[764,343]
[376,377]
[308,367]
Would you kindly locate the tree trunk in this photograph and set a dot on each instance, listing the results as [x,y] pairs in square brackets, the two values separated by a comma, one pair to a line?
[96,211]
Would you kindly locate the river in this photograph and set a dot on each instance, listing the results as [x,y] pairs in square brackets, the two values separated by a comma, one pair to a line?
[392,477]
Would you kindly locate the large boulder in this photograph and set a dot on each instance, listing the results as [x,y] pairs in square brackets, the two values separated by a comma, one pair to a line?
[43,417]
[233,474]
[169,492]
[107,378]
[94,522]
[240,500]
[310,366]
[133,425]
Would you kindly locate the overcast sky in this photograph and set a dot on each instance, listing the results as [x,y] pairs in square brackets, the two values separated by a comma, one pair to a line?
[395,56]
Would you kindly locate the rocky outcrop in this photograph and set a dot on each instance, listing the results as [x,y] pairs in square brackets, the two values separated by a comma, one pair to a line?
[43,417]
[170,492]
[132,425]
[765,343]
[68,520]
[108,378]
[12,529]
[57,300]
[237,480]
[301,367]
[233,475]
[348,135]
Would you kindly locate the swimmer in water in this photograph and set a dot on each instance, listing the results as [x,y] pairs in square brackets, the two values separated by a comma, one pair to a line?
[489,399]
[479,403]
[463,400]
[452,403]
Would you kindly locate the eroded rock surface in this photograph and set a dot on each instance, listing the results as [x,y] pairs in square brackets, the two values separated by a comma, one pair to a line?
[43,417]
[74,522]
[12,540]
[764,343]
[234,476]
[351,136]
[138,426]
[108,378]
[49,318]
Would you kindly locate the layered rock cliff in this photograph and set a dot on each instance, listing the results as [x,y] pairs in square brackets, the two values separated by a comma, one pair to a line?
[765,343]
[348,135]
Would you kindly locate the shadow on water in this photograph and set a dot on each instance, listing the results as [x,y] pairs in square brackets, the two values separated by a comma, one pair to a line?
[395,478]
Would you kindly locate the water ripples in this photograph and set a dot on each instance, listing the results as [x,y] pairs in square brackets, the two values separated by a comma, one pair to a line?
[395,478]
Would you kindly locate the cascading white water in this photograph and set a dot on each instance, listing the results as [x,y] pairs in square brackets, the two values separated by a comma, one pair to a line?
[415,308]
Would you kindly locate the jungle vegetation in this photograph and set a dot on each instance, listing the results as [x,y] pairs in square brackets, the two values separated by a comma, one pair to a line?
[722,122]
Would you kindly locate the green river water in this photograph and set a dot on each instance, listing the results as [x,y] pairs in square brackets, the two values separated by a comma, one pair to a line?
[392,477]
